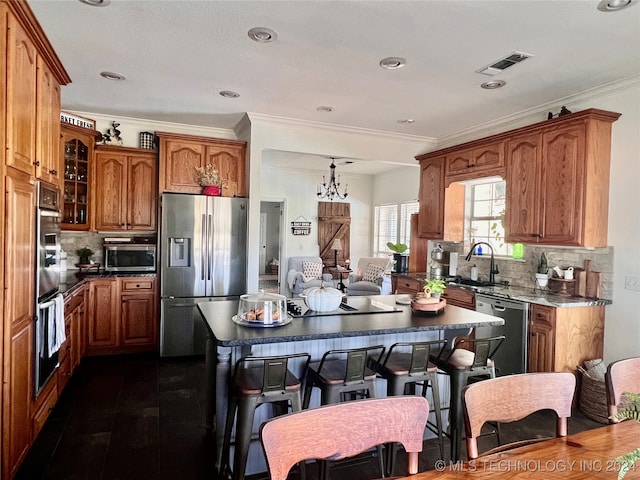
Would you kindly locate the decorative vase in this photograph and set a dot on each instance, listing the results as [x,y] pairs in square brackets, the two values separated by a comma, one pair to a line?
[402,262]
[211,190]
[84,260]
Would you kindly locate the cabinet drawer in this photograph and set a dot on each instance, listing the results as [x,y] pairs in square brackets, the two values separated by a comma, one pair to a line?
[40,417]
[72,302]
[543,315]
[409,285]
[137,284]
[460,297]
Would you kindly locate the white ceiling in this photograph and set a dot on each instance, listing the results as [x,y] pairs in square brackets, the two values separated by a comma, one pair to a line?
[177,55]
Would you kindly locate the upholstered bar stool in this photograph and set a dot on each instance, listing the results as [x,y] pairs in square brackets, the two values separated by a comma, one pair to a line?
[343,375]
[463,365]
[406,366]
[258,380]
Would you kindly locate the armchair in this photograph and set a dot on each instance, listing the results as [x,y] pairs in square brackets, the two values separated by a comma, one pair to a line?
[297,281]
[370,280]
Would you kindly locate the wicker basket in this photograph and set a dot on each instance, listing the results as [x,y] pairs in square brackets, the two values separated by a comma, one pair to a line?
[593,397]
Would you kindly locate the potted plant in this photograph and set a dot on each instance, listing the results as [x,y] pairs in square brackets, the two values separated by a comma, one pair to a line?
[542,277]
[434,287]
[630,411]
[401,260]
[209,179]
[85,254]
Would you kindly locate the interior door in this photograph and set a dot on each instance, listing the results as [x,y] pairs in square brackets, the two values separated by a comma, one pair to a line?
[334,222]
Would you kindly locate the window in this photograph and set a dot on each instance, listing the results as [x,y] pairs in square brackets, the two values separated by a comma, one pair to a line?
[392,223]
[486,212]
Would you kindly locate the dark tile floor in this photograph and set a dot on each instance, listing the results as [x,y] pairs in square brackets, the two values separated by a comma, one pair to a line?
[140,417]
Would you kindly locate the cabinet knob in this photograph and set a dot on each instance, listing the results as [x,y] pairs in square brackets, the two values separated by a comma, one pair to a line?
[53,172]
[37,163]
[138,286]
[533,334]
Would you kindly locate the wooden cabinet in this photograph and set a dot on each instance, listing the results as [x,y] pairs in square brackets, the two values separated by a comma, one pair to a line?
[18,310]
[557,175]
[460,297]
[560,339]
[125,189]
[43,407]
[122,315]
[484,160]
[138,317]
[181,154]
[441,214]
[558,181]
[30,80]
[77,154]
[21,94]
[103,314]
[406,285]
[48,125]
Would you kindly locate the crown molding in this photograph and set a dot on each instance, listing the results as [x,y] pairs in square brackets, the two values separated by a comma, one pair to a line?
[575,102]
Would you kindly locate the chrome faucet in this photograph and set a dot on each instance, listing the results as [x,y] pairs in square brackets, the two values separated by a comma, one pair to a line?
[493,268]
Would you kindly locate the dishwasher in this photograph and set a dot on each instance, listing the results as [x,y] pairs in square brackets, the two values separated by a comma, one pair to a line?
[511,357]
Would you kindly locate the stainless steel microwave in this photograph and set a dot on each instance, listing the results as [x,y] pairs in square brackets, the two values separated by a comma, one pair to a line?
[130,257]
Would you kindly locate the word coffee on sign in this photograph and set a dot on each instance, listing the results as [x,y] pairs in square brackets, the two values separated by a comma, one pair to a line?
[77,121]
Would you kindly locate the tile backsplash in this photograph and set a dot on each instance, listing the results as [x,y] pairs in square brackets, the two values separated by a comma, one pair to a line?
[522,272]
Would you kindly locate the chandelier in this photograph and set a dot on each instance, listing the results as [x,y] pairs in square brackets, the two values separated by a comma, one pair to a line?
[331,189]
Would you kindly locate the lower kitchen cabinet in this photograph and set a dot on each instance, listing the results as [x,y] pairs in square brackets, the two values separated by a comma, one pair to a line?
[560,339]
[122,315]
[460,297]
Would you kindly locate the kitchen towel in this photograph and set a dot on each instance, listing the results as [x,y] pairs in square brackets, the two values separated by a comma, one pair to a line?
[55,321]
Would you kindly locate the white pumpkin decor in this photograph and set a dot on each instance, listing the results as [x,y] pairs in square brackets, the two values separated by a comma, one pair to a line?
[322,299]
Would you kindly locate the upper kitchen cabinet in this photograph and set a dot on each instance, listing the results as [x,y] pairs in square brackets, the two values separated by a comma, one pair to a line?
[125,189]
[441,214]
[483,160]
[181,154]
[33,78]
[77,147]
[558,181]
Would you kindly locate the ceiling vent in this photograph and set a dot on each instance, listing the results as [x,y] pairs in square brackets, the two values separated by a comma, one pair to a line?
[500,65]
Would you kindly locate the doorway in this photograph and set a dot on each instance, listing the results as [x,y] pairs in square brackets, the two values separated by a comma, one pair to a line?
[270,231]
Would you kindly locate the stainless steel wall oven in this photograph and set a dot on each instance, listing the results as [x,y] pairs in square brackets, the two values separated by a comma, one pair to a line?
[48,299]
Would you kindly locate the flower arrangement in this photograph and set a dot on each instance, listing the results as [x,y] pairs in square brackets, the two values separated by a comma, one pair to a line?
[208,176]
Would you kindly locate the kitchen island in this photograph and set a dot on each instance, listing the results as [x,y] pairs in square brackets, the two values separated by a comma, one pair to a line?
[376,320]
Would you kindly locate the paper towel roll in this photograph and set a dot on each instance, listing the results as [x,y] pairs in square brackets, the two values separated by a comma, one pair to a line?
[453,264]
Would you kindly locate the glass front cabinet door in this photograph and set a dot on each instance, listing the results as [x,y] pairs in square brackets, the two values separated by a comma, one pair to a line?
[77,150]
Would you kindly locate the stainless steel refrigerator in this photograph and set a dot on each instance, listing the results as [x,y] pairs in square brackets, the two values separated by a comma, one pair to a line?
[203,257]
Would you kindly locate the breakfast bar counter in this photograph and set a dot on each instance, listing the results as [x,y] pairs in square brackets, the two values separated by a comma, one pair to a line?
[367,321]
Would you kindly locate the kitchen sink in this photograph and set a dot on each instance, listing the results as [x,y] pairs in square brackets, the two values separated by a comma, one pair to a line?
[471,283]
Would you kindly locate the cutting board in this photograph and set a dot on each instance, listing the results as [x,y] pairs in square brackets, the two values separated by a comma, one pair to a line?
[591,281]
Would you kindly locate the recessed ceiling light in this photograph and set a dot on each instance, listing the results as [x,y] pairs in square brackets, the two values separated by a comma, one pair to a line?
[229,94]
[96,3]
[493,84]
[324,108]
[262,35]
[406,120]
[393,63]
[116,77]
[615,5]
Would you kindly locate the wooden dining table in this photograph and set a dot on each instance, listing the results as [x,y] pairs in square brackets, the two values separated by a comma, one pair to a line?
[585,455]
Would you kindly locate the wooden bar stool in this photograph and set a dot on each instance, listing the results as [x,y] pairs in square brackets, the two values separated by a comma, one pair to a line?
[258,380]
[463,365]
[406,366]
[343,375]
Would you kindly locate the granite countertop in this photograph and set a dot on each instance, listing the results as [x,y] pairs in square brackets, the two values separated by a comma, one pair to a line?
[218,317]
[524,294]
[70,280]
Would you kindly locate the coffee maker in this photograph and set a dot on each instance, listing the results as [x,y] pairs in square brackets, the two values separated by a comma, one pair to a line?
[436,265]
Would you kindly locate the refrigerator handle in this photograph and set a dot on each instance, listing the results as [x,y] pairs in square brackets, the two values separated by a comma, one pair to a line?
[203,242]
[210,247]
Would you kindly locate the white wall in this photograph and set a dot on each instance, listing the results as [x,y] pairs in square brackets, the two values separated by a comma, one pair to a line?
[299,187]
